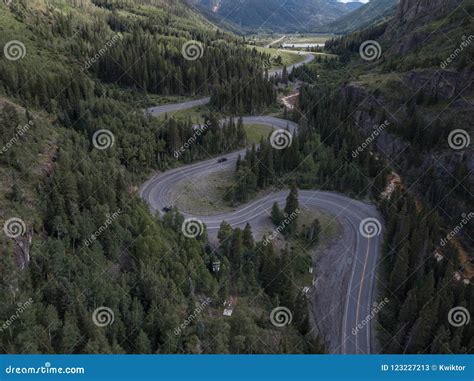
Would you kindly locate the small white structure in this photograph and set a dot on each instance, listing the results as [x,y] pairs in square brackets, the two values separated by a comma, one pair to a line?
[216,266]
[228,308]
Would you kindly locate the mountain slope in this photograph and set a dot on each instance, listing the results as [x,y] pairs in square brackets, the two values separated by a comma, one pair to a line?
[412,102]
[74,143]
[423,79]
[273,15]
[373,12]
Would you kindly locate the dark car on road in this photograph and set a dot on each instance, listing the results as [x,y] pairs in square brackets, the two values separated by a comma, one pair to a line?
[167,209]
[222,160]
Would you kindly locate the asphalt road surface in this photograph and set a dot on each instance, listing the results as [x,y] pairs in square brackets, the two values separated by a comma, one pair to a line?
[159,110]
[357,325]
[308,58]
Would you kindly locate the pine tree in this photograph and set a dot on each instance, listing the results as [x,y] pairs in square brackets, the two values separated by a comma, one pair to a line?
[235,255]
[247,237]
[284,75]
[224,235]
[277,215]
[420,335]
[291,210]
[292,204]
[311,233]
[269,269]
[399,274]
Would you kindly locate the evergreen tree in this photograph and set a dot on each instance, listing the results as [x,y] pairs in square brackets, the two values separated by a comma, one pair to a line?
[292,210]
[247,237]
[277,215]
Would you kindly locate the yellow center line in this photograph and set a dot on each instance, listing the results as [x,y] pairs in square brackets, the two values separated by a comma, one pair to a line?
[360,288]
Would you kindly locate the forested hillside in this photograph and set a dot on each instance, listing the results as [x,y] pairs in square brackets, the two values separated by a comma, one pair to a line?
[93,271]
[318,157]
[77,236]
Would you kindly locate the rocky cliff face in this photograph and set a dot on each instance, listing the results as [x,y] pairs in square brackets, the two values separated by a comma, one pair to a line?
[371,108]
[422,11]
[22,249]
[366,119]
[406,28]
[431,166]
[440,84]
[436,97]
[452,87]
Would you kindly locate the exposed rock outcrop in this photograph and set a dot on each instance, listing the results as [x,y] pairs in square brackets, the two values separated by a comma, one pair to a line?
[406,28]
[22,249]
[371,108]
[442,84]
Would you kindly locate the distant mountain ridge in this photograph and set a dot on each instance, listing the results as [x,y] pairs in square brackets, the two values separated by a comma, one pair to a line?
[274,15]
[371,13]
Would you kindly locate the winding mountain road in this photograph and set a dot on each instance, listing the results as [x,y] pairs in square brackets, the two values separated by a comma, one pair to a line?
[160,110]
[308,58]
[359,298]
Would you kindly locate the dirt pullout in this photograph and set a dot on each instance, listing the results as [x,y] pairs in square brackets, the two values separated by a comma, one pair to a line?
[204,195]
[332,265]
